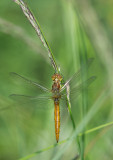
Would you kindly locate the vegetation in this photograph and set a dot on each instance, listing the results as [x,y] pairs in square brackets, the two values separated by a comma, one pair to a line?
[76,31]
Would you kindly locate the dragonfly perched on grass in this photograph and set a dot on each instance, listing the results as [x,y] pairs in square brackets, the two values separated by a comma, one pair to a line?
[57,92]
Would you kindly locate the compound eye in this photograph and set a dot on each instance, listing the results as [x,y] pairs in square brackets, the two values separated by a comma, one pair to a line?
[60,78]
[53,77]
[57,76]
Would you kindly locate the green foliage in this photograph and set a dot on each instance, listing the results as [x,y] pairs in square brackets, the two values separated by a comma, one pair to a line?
[75,32]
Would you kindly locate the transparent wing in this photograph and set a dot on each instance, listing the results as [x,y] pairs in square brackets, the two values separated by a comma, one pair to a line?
[76,77]
[20,97]
[75,92]
[17,76]
[67,120]
[40,102]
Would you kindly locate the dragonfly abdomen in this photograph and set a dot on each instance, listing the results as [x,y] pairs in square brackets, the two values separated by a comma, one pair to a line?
[57,119]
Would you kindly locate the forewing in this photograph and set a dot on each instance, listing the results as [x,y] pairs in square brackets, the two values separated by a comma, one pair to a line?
[76,91]
[76,77]
[27,81]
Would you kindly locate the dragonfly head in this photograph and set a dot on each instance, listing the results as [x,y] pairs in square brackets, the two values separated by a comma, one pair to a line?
[57,77]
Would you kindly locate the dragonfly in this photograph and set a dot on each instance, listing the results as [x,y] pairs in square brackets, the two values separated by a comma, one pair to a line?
[56,93]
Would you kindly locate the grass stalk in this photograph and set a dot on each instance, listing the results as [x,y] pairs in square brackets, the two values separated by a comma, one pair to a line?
[31,18]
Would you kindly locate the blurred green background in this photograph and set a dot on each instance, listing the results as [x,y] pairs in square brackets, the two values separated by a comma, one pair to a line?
[75,30]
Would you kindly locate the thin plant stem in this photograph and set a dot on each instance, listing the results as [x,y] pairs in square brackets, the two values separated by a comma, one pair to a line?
[27,12]
[83,59]
[70,113]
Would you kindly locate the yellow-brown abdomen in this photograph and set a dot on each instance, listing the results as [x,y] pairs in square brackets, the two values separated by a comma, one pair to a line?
[57,120]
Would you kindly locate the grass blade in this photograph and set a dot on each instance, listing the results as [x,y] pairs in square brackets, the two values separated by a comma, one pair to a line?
[64,141]
[97,128]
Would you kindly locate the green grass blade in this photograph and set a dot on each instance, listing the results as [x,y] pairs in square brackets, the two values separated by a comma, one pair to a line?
[69,105]
[97,128]
[83,60]
[64,141]
[70,113]
[43,150]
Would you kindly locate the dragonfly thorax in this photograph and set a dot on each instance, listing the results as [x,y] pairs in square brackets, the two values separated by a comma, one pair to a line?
[57,78]
[56,87]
